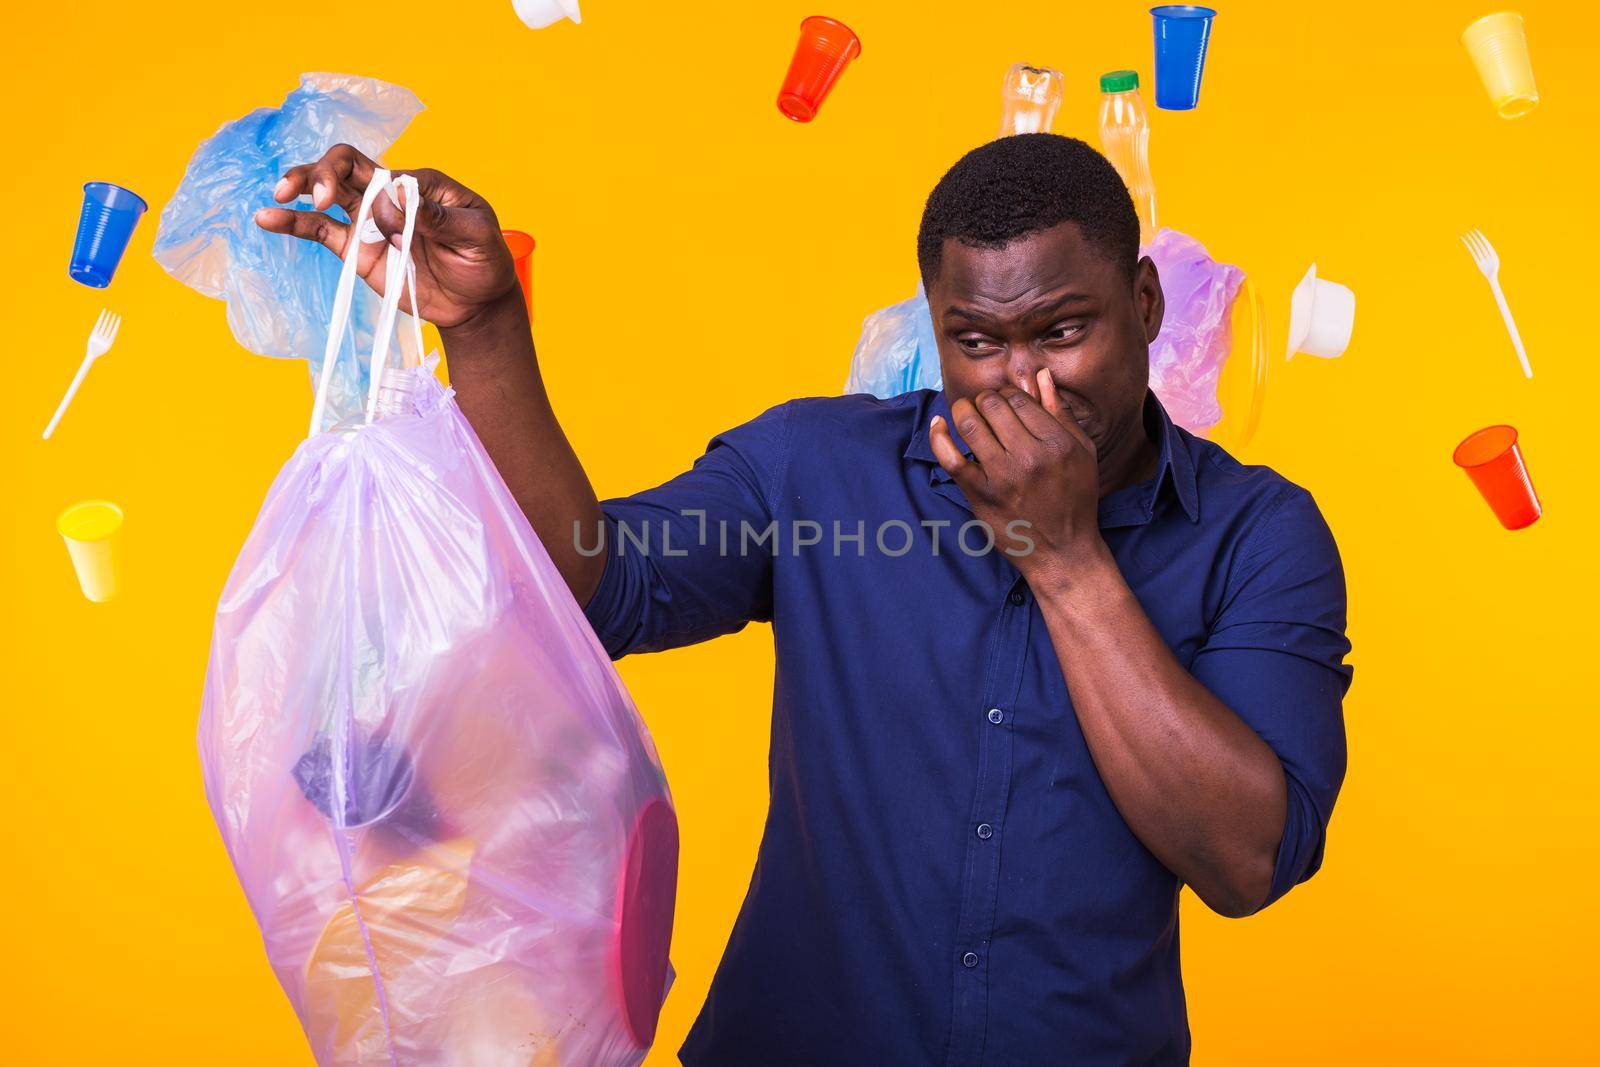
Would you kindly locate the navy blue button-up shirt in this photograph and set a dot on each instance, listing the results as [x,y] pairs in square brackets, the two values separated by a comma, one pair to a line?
[943,878]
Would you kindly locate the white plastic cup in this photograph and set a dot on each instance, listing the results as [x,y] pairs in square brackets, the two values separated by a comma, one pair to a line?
[92,532]
[537,14]
[1322,316]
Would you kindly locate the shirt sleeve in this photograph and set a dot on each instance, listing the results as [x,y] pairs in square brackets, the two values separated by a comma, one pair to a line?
[688,560]
[1275,656]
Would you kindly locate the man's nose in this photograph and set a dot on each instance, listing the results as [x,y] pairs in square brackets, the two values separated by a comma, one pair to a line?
[1022,369]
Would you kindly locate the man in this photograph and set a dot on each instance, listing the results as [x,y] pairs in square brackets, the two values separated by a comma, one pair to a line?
[996,756]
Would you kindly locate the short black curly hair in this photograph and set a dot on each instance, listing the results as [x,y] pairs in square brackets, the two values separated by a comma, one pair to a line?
[1022,184]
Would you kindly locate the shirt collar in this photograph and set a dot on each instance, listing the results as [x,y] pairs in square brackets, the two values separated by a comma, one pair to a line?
[1132,506]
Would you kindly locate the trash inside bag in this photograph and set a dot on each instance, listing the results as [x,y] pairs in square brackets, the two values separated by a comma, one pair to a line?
[280,292]
[897,351]
[447,816]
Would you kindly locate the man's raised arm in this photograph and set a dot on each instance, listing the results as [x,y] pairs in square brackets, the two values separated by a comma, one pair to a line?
[467,287]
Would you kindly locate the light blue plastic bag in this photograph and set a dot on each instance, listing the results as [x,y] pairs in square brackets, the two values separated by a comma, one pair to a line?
[279,290]
[897,352]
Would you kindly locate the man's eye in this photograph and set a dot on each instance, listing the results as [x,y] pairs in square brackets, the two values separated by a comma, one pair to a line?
[975,344]
[1064,332]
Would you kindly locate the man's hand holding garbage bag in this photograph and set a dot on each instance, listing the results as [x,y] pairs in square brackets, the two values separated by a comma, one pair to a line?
[1058,659]
[462,262]
[468,289]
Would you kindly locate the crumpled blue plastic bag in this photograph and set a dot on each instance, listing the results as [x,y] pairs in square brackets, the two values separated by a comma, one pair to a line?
[279,290]
[897,352]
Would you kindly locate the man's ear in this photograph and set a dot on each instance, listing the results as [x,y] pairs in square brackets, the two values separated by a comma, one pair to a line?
[1148,298]
[932,297]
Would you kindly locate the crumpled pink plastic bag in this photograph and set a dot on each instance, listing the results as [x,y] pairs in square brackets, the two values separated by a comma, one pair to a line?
[1186,358]
[447,816]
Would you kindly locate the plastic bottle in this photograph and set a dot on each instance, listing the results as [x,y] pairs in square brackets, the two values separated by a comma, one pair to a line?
[1029,98]
[398,392]
[1125,138]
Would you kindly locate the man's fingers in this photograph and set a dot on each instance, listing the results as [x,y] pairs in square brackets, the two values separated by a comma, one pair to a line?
[1032,414]
[1081,437]
[1074,429]
[339,177]
[452,227]
[328,232]
[949,456]
[975,430]
[299,181]
[1047,392]
[999,408]
[1052,401]
[1060,412]
[449,212]
[325,191]
[440,187]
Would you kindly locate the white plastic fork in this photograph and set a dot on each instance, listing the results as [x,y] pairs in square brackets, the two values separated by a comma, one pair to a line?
[1488,261]
[100,339]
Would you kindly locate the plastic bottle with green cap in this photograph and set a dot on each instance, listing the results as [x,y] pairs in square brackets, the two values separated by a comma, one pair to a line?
[1125,139]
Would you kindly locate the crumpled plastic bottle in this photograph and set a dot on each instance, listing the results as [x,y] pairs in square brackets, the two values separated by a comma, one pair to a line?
[279,290]
[897,352]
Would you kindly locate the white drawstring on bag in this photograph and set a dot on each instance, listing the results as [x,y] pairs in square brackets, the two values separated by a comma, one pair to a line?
[400,275]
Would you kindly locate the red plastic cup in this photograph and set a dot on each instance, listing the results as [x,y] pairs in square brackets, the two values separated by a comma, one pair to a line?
[1493,461]
[826,47]
[521,246]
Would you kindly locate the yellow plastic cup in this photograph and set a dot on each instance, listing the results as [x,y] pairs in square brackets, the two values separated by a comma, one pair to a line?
[1498,45]
[90,530]
[406,910]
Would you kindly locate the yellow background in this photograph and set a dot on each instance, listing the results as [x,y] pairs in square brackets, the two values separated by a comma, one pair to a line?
[700,258]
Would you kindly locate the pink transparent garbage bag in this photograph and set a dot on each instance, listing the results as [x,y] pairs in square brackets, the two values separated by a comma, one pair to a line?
[1186,357]
[451,825]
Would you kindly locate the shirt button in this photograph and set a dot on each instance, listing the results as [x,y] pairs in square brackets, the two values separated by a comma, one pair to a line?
[985,831]
[969,960]
[1017,597]
[996,716]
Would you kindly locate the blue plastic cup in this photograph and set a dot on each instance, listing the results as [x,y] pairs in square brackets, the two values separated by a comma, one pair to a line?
[1182,31]
[110,213]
